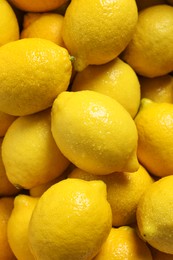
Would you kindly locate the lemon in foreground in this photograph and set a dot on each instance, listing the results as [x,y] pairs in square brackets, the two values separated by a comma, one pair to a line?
[71,220]
[33,72]
[17,228]
[155,215]
[96,32]
[29,152]
[94,132]
[154,123]
[124,243]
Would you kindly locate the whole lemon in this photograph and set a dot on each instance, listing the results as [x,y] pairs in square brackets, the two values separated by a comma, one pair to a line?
[96,32]
[94,132]
[154,123]
[155,215]
[33,72]
[71,220]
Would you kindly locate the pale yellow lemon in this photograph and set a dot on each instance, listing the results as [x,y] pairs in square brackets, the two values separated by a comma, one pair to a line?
[17,228]
[158,89]
[115,79]
[47,26]
[9,27]
[96,32]
[154,123]
[124,243]
[94,132]
[6,206]
[123,192]
[37,5]
[71,220]
[33,72]
[155,214]
[5,121]
[146,53]
[29,152]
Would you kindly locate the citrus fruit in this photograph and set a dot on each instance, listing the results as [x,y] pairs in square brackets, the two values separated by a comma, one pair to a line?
[155,214]
[30,83]
[94,132]
[115,79]
[96,32]
[71,220]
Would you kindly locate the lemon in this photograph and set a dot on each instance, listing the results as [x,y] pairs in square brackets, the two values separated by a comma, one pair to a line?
[158,89]
[71,220]
[29,152]
[17,228]
[115,79]
[96,32]
[47,26]
[30,83]
[9,28]
[37,5]
[6,187]
[155,214]
[94,132]
[124,243]
[5,121]
[146,51]
[6,206]
[123,192]
[154,123]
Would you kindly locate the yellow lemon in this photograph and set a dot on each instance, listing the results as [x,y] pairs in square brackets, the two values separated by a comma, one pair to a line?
[17,228]
[5,121]
[94,132]
[142,4]
[124,243]
[6,206]
[47,26]
[153,35]
[33,72]
[96,32]
[71,220]
[6,187]
[158,89]
[154,123]
[9,27]
[37,5]
[29,152]
[123,192]
[155,214]
[115,79]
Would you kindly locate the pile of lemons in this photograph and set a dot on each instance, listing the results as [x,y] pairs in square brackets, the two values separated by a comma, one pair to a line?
[86,129]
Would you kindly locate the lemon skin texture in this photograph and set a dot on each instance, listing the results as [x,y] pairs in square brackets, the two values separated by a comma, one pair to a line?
[33,72]
[71,220]
[82,34]
[94,132]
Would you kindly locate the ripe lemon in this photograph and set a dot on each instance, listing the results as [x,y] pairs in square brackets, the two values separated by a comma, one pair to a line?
[123,192]
[158,89]
[6,187]
[94,132]
[6,206]
[9,28]
[124,243]
[30,83]
[37,5]
[153,35]
[155,215]
[71,220]
[29,152]
[115,79]
[17,228]
[47,26]
[96,32]
[5,121]
[154,123]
